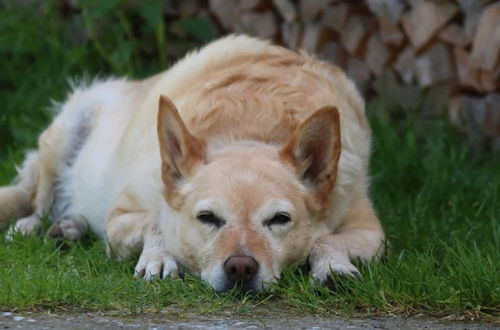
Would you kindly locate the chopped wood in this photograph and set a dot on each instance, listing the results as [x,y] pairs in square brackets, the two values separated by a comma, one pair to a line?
[310,10]
[387,10]
[405,65]
[454,34]
[244,5]
[435,101]
[472,11]
[377,54]
[467,112]
[225,12]
[334,53]
[358,71]
[291,33]
[396,94]
[354,32]
[314,37]
[433,66]
[475,113]
[391,34]
[424,20]
[491,124]
[467,74]
[261,24]
[335,16]
[414,3]
[486,46]
[490,80]
[286,9]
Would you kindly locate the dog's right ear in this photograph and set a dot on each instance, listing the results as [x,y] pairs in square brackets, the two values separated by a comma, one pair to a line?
[181,152]
[314,151]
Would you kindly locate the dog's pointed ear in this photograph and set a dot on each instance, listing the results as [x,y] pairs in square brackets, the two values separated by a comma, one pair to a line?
[180,151]
[314,151]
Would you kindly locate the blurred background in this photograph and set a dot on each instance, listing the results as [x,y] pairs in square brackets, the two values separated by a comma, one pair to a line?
[414,60]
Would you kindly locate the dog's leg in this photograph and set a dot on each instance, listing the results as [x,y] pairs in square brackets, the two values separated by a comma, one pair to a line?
[16,201]
[129,232]
[154,260]
[49,156]
[360,236]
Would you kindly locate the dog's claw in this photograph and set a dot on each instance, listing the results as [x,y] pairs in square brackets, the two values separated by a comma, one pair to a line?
[322,271]
[155,265]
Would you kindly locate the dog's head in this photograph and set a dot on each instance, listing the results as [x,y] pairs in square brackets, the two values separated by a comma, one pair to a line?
[247,209]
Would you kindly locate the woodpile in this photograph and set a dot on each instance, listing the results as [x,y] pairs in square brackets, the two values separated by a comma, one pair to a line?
[431,56]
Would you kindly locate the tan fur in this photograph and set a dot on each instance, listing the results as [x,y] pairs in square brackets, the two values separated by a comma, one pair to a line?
[243,129]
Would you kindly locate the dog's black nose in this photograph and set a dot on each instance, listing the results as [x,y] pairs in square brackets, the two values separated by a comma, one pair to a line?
[241,268]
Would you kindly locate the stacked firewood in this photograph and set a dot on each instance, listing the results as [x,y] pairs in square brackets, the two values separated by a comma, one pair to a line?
[439,57]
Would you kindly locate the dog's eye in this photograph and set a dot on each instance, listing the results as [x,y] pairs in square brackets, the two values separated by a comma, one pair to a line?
[280,218]
[209,218]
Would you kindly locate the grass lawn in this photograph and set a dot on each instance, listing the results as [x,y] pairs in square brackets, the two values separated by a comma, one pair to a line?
[439,204]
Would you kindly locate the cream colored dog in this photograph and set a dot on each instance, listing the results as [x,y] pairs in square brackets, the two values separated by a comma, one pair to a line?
[240,160]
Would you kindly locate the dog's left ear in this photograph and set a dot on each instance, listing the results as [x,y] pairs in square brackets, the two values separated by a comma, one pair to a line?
[180,151]
[314,151]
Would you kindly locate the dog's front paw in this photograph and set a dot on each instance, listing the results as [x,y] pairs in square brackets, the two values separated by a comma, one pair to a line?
[26,226]
[322,269]
[155,264]
[327,259]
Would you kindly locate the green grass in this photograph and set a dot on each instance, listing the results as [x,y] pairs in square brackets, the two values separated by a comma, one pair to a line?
[439,204]
[439,207]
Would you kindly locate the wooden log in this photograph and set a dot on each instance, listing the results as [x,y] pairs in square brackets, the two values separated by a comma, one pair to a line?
[354,33]
[454,34]
[395,94]
[491,124]
[310,10]
[314,37]
[286,9]
[472,11]
[387,10]
[433,66]
[490,80]
[414,3]
[335,17]
[377,54]
[405,65]
[391,34]
[244,5]
[291,33]
[358,71]
[476,115]
[225,12]
[424,20]
[334,53]
[486,46]
[435,103]
[468,75]
[260,24]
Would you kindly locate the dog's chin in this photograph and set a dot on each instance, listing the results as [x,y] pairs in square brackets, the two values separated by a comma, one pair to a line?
[253,287]
[221,283]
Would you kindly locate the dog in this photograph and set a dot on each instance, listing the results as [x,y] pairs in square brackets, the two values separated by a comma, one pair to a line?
[240,160]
